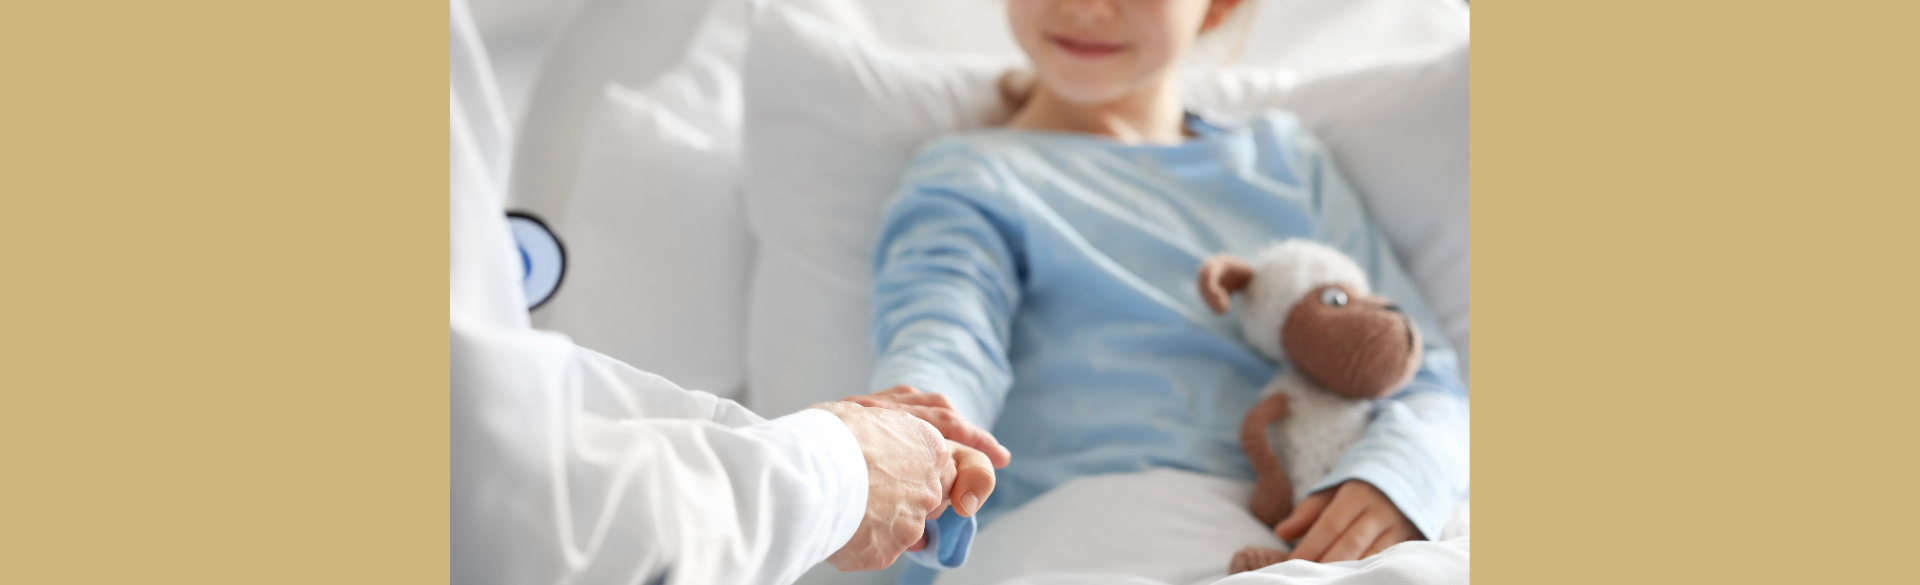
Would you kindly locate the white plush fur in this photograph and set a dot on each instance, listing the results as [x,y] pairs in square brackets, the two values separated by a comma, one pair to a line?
[1320,425]
[1284,273]
[1319,428]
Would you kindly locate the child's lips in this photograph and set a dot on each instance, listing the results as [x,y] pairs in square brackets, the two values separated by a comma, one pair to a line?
[1085,48]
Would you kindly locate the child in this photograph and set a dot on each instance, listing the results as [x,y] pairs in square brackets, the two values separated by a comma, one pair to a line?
[1040,276]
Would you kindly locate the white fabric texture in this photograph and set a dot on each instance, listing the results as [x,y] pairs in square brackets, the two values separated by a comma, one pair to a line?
[1413,563]
[629,151]
[567,466]
[1319,428]
[1163,524]
[1400,132]
[1172,527]
[631,155]
[831,119]
[657,245]
[830,124]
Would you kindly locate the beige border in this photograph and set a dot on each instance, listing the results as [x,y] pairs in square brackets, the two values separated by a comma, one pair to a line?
[1693,248]
[224,360]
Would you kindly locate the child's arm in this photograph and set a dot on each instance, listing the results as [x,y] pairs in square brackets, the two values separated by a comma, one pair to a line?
[1414,456]
[946,286]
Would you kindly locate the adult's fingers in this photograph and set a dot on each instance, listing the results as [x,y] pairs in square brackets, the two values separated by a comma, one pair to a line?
[973,479]
[909,395]
[1333,522]
[951,425]
[933,399]
[909,470]
[1303,515]
[1352,543]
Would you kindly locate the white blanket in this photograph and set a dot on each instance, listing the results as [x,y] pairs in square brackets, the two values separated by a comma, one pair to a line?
[1168,527]
[1412,563]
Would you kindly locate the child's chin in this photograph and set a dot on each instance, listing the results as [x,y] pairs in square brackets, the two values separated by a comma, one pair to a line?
[1087,93]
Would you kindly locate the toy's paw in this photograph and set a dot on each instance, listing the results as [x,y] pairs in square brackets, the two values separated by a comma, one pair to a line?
[1254,557]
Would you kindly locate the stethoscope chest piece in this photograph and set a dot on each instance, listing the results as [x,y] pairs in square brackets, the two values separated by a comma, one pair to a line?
[543,260]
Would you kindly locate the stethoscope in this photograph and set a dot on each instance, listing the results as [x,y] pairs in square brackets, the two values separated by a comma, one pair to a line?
[543,260]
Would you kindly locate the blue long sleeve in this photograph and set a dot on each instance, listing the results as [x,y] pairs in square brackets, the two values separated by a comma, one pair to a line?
[1415,449]
[946,287]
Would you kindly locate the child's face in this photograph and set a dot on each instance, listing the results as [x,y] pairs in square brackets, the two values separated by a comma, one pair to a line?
[1092,52]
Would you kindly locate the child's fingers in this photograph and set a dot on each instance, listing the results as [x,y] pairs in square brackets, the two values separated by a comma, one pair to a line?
[923,399]
[1333,522]
[973,479]
[900,389]
[1303,515]
[968,434]
[1352,543]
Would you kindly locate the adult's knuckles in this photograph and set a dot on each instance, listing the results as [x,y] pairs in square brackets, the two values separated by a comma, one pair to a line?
[927,499]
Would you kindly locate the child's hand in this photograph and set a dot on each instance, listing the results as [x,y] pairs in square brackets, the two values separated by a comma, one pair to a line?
[973,480]
[1351,521]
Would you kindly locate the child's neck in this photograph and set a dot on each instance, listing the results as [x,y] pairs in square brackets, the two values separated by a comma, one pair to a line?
[1150,116]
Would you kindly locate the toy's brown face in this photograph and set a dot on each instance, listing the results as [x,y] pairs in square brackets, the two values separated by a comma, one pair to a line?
[1357,345]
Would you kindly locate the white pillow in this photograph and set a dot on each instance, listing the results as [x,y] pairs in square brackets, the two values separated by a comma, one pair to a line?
[658,248]
[831,120]
[1399,132]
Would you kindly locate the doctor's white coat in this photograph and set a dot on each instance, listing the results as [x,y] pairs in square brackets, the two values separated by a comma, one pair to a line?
[569,467]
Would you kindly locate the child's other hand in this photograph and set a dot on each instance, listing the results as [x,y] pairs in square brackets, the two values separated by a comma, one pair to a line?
[1351,521]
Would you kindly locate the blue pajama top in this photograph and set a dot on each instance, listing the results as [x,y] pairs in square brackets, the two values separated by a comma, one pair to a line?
[1045,283]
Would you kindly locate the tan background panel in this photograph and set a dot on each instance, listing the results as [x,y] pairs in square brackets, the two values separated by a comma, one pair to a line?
[1693,263]
[226,264]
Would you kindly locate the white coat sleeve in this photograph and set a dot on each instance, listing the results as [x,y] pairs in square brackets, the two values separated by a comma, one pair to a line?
[569,467]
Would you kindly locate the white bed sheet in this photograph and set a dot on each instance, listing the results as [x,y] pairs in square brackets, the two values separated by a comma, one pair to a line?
[1172,527]
[1414,563]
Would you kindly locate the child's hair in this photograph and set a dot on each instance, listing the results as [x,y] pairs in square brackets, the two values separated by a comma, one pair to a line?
[1215,49]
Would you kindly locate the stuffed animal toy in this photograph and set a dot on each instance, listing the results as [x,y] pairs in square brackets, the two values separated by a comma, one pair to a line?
[1308,305]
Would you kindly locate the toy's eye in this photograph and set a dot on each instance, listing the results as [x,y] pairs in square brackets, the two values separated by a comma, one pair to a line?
[1333,297]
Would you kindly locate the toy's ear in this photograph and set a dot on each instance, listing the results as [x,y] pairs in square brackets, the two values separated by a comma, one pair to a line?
[1220,277]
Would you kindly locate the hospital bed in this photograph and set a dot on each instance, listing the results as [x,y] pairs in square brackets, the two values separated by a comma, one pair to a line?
[716,201]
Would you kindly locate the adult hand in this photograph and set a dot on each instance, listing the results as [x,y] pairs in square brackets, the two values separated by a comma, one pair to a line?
[1352,521]
[911,473]
[937,411]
